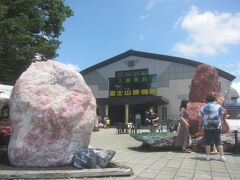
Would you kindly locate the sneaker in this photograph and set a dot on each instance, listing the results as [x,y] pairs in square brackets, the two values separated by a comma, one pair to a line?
[208,158]
[222,158]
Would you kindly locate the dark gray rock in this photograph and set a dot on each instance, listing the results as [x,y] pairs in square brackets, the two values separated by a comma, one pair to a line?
[166,140]
[159,140]
[228,141]
[93,158]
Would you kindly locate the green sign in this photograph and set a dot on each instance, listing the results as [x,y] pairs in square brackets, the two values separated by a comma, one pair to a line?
[132,86]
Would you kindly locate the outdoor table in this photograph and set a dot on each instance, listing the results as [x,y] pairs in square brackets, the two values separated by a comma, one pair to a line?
[123,128]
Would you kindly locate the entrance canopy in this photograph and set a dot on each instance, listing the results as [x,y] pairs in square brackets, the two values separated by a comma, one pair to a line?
[154,100]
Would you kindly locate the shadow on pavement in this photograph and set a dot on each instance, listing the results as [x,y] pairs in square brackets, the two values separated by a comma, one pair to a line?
[202,158]
[145,148]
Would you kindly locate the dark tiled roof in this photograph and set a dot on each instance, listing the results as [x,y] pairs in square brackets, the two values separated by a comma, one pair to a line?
[189,62]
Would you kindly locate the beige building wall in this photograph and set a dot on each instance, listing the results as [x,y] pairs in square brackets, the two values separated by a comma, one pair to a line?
[177,91]
[225,87]
[100,77]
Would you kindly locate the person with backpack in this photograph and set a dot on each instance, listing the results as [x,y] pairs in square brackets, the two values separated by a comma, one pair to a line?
[212,113]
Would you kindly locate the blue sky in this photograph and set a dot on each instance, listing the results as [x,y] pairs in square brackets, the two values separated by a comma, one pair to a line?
[203,30]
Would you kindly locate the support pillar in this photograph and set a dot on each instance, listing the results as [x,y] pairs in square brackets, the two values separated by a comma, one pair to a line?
[106,110]
[160,121]
[126,113]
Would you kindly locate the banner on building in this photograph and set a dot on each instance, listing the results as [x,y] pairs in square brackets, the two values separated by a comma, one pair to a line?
[133,86]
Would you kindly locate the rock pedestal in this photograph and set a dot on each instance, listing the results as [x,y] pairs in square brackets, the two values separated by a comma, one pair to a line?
[52,113]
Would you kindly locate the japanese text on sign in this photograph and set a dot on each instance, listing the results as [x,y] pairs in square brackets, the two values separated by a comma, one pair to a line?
[132,86]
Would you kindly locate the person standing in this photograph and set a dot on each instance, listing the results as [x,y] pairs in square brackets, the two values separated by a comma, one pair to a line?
[183,138]
[152,119]
[212,113]
[108,122]
[105,118]
[137,122]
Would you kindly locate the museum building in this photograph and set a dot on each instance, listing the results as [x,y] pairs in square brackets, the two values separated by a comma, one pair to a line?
[133,81]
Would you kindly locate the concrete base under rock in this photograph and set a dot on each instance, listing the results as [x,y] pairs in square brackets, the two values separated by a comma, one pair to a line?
[116,170]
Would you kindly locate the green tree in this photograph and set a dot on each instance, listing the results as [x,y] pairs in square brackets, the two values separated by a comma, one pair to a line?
[28,28]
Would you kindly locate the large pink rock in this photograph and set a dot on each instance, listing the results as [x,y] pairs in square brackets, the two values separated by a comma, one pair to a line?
[205,82]
[52,112]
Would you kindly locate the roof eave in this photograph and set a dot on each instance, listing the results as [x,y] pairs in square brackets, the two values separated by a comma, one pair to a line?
[131,52]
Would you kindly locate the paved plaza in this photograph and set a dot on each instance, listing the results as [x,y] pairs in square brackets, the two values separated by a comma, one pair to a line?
[150,164]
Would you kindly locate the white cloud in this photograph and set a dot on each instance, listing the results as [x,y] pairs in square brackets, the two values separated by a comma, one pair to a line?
[141,37]
[151,4]
[236,85]
[208,32]
[143,17]
[74,66]
[178,22]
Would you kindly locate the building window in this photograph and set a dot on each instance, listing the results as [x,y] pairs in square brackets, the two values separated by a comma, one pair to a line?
[131,63]
[138,72]
[234,100]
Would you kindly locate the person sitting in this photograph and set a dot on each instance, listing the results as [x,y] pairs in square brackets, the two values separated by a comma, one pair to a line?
[152,119]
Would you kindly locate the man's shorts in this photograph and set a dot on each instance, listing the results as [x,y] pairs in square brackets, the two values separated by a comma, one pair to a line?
[213,135]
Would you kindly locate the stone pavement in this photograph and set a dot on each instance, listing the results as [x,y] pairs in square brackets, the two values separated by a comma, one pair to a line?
[164,164]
